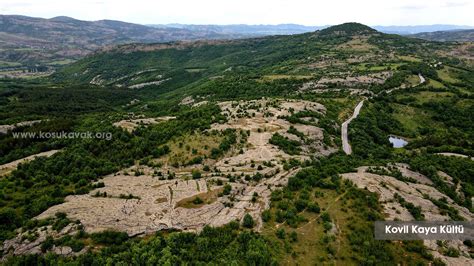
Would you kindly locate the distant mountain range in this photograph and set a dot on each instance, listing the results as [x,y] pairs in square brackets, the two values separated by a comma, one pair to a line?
[443,36]
[285,29]
[27,40]
[407,30]
[32,40]
[243,29]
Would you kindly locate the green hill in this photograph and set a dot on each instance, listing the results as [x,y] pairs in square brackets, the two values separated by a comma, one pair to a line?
[30,40]
[350,28]
[207,67]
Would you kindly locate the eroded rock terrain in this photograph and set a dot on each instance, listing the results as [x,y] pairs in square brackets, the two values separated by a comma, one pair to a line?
[144,199]
[131,124]
[420,192]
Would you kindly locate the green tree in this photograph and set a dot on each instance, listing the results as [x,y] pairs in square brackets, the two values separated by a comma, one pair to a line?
[196,174]
[248,221]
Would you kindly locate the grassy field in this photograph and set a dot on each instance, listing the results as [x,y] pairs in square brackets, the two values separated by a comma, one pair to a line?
[310,248]
[200,200]
[61,62]
[430,96]
[276,77]
[317,244]
[448,74]
[466,91]
[377,67]
[464,103]
[357,44]
[9,64]
[409,58]
[195,70]
[187,147]
[412,118]
[413,80]
[435,84]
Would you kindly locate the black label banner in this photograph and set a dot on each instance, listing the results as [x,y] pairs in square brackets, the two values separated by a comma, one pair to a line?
[416,230]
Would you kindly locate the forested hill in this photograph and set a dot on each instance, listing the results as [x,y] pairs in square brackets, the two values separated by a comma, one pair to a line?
[199,64]
[36,40]
[348,29]
[137,63]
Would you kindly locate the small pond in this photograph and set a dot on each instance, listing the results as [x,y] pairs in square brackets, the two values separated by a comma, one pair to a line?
[397,142]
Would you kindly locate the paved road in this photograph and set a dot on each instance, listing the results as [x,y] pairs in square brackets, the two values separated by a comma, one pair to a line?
[346,147]
[422,79]
[455,155]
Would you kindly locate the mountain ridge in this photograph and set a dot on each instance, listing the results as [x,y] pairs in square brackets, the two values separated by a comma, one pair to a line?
[213,58]
[29,41]
[447,36]
[293,28]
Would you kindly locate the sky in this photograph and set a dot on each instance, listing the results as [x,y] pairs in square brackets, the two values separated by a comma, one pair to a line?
[306,12]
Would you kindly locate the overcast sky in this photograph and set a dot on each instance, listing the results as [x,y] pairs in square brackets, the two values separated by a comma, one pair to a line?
[307,12]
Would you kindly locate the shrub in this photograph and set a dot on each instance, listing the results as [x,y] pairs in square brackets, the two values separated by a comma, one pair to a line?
[301,204]
[314,207]
[248,221]
[227,189]
[196,174]
[197,200]
[266,215]
[109,237]
[47,244]
[289,146]
[293,236]
[280,233]
[452,252]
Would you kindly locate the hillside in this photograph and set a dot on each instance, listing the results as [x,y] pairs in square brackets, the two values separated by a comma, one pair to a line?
[447,36]
[263,151]
[30,40]
[207,62]
[349,29]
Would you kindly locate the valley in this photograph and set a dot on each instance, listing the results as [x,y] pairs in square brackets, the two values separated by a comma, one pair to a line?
[270,150]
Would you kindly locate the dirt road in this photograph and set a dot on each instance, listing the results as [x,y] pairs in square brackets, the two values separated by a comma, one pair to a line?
[346,147]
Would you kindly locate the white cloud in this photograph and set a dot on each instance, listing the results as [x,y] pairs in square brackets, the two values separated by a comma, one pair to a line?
[414,7]
[456,4]
[309,12]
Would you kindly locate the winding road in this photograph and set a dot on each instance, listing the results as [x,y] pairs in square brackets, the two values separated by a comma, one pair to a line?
[346,147]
